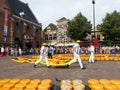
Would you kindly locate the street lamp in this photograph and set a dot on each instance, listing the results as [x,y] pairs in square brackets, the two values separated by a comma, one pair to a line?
[93,2]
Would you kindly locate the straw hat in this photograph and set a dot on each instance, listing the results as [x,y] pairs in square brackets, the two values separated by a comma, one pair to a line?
[78,41]
[44,44]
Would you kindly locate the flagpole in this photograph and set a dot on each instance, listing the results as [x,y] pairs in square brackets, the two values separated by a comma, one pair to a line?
[93,2]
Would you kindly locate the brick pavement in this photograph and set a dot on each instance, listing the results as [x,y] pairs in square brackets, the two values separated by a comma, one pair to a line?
[98,70]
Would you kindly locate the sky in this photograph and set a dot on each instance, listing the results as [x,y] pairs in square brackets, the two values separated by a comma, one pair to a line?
[49,11]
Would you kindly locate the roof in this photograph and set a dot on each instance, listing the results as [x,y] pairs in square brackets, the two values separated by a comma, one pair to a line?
[18,7]
[62,19]
[52,26]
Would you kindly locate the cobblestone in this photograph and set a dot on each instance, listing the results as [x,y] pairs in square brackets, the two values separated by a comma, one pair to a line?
[98,70]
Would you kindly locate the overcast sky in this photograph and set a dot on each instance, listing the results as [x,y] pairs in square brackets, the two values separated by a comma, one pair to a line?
[48,11]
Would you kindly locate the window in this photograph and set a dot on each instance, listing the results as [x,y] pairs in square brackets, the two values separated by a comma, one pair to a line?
[92,37]
[54,36]
[98,36]
[46,37]
[36,30]
[60,41]
[50,37]
[28,27]
[17,24]
[61,26]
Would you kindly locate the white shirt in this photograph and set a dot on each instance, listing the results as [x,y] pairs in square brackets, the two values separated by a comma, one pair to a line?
[20,51]
[92,48]
[2,49]
[43,50]
[76,48]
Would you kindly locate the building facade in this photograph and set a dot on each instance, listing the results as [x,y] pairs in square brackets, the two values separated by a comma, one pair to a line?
[18,25]
[50,34]
[61,32]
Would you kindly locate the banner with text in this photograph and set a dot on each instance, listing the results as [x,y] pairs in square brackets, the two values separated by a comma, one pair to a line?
[5,30]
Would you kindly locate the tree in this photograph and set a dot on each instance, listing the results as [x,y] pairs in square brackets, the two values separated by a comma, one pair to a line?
[111,26]
[79,27]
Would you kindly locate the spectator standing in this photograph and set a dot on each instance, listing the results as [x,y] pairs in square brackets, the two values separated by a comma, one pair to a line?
[19,51]
[50,52]
[11,51]
[7,51]
[92,50]
[2,51]
[31,51]
[15,52]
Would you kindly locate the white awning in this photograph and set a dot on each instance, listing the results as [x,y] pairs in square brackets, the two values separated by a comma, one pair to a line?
[52,43]
[59,44]
[70,44]
[66,44]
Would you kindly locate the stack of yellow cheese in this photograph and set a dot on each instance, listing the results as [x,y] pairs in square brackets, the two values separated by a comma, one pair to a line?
[72,85]
[104,84]
[25,84]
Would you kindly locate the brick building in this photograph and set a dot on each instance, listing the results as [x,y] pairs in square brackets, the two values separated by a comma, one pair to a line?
[18,25]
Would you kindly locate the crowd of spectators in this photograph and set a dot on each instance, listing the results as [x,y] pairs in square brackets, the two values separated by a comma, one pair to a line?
[10,51]
[17,51]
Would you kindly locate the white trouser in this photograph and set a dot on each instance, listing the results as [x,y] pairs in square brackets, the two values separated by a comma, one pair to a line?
[91,59]
[41,58]
[77,57]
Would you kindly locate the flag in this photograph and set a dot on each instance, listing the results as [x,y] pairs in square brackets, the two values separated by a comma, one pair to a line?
[95,42]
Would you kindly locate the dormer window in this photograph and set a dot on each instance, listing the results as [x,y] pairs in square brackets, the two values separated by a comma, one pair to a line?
[22,14]
[48,29]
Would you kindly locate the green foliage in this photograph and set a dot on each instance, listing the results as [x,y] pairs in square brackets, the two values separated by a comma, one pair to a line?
[79,27]
[111,25]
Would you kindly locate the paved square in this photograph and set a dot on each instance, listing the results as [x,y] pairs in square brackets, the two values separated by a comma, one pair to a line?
[98,70]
